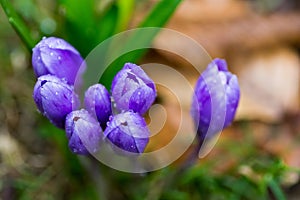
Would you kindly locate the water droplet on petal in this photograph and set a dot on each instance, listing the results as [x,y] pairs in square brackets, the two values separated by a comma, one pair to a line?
[56,93]
[51,54]
[59,58]
[39,58]
[44,37]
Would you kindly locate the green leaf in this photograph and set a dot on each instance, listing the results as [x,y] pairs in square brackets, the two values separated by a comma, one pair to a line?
[18,24]
[107,24]
[157,17]
[160,14]
[80,24]
[275,188]
[125,8]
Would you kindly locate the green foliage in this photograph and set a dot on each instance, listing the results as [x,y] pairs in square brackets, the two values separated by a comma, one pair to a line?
[201,183]
[157,17]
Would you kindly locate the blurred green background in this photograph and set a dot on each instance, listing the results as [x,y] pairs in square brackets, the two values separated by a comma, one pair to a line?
[256,158]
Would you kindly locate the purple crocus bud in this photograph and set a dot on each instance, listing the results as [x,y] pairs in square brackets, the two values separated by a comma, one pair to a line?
[128,131]
[57,57]
[216,84]
[97,101]
[132,89]
[54,99]
[83,131]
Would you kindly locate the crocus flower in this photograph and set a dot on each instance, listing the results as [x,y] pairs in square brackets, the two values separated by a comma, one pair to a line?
[57,57]
[83,131]
[54,98]
[97,102]
[132,89]
[216,84]
[128,131]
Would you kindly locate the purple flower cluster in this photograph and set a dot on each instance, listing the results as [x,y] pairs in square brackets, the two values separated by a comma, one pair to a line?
[56,64]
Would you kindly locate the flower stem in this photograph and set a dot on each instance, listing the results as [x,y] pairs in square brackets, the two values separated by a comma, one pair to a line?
[18,24]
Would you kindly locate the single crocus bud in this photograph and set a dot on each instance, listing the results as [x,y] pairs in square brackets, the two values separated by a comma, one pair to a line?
[83,131]
[219,88]
[97,101]
[128,131]
[57,57]
[54,99]
[132,89]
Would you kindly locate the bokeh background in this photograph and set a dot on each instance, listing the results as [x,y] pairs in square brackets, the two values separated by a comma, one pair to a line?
[258,157]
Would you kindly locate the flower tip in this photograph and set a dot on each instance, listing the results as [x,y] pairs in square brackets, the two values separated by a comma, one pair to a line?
[221,64]
[57,57]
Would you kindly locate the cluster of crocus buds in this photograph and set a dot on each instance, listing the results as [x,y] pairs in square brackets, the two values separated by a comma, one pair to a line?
[56,64]
[117,117]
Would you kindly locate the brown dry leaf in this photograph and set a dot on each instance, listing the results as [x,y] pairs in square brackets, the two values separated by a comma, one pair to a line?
[269,82]
[211,10]
[292,157]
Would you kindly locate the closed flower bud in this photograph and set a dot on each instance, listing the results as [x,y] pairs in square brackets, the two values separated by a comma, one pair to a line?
[54,99]
[83,132]
[128,131]
[97,102]
[57,57]
[133,90]
[216,84]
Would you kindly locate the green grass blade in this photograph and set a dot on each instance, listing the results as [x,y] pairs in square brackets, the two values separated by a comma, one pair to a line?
[18,24]
[275,188]
[157,17]
[160,14]
[124,14]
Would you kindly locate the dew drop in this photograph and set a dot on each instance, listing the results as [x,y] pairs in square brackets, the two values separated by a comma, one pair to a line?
[56,93]
[51,54]
[44,38]
[39,58]
[59,58]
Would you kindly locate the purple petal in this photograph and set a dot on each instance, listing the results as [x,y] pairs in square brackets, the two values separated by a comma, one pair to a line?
[83,131]
[131,87]
[128,131]
[54,99]
[141,99]
[97,102]
[57,57]
[202,109]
